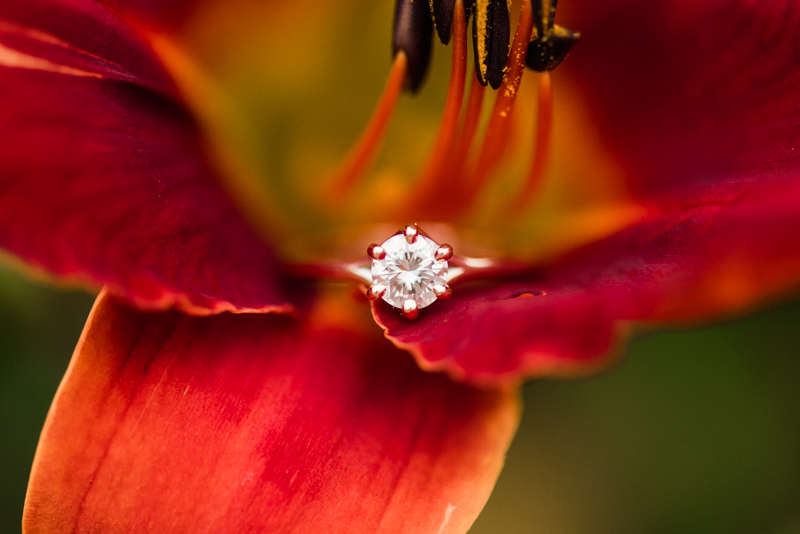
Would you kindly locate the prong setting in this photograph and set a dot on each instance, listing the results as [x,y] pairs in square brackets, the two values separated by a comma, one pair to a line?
[409,271]
[376,252]
[410,309]
[444,252]
[376,291]
[442,291]
[411,232]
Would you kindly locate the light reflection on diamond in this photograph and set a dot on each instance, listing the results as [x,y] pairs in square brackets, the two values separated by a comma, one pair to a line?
[409,271]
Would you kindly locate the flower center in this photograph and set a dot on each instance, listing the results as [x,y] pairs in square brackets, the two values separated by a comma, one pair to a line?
[486,157]
[450,183]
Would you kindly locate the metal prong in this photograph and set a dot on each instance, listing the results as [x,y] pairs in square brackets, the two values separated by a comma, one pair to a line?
[444,252]
[376,291]
[442,291]
[410,309]
[376,252]
[411,232]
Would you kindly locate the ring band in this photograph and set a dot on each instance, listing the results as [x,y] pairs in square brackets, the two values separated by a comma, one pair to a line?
[410,270]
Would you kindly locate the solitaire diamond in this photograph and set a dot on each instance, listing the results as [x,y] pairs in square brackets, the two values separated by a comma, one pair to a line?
[409,271]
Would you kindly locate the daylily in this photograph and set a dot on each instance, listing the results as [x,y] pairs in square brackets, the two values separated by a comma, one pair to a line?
[213,390]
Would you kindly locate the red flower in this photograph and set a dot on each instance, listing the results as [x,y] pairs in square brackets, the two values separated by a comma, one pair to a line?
[195,419]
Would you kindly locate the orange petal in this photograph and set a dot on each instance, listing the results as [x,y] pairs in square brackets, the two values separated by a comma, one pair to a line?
[258,423]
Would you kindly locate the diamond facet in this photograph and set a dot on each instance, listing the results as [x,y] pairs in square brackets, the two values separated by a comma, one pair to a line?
[409,271]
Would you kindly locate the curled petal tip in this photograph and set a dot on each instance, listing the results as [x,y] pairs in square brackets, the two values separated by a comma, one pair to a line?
[413,34]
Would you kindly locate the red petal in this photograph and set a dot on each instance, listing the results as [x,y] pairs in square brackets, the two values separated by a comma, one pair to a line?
[691,92]
[739,245]
[700,102]
[166,14]
[103,176]
[255,423]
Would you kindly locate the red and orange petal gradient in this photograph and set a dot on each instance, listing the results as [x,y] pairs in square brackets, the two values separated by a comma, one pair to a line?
[699,101]
[104,178]
[736,246]
[237,423]
[258,423]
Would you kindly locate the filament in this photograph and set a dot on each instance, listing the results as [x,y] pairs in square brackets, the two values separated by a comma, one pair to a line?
[363,153]
[494,138]
[541,153]
[458,157]
[434,181]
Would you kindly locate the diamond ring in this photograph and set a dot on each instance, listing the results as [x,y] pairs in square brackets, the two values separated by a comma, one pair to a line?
[410,270]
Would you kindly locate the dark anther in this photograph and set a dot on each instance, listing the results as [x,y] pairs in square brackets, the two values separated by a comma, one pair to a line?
[552,42]
[490,37]
[544,15]
[469,5]
[413,33]
[547,53]
[442,12]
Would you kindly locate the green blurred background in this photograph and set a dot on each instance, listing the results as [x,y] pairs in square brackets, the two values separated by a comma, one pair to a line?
[695,432]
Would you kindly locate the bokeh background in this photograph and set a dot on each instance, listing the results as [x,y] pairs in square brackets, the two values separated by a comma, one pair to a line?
[696,431]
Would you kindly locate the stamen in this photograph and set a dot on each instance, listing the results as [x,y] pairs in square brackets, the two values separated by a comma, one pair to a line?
[413,34]
[433,180]
[452,172]
[490,33]
[547,53]
[541,154]
[448,185]
[544,14]
[472,116]
[442,13]
[494,138]
[363,152]
[552,42]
